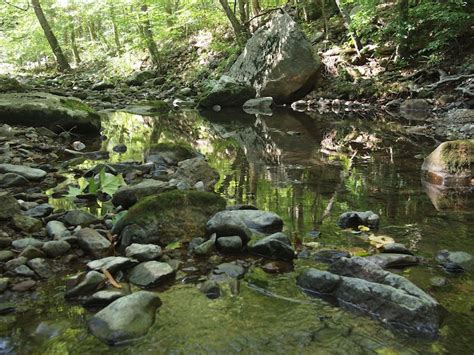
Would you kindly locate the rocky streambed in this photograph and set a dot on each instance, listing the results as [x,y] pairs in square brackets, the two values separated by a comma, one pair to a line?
[228,234]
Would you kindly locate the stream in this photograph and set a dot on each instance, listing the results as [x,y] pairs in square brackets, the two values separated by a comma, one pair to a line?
[277,163]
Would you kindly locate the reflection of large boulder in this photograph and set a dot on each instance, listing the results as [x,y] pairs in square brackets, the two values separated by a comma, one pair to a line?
[454,199]
[278,61]
[362,286]
[168,217]
[451,164]
[46,110]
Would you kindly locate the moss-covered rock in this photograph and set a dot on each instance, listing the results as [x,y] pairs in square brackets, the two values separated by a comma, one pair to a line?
[227,92]
[9,84]
[46,110]
[168,217]
[451,164]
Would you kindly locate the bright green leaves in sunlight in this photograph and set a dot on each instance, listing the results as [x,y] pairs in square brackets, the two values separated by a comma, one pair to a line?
[102,183]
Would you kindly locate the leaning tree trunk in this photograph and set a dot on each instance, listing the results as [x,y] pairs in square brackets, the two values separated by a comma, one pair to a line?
[148,36]
[347,23]
[52,40]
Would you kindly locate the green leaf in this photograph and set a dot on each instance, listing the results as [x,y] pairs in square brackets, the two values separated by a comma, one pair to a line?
[174,245]
[73,192]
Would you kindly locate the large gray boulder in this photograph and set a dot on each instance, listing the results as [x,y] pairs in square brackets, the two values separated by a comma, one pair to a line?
[278,61]
[41,109]
[362,286]
[127,318]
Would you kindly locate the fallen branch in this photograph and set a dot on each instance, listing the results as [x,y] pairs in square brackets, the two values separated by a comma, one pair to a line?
[111,278]
[443,80]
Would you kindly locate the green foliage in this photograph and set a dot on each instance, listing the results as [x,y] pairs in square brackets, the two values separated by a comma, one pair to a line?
[105,183]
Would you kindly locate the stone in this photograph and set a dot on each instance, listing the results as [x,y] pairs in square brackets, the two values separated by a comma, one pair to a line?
[211,289]
[28,173]
[4,282]
[112,264]
[104,297]
[393,260]
[450,165]
[40,211]
[354,219]
[80,218]
[31,252]
[207,247]
[330,256]
[93,243]
[229,245]
[24,286]
[192,171]
[227,92]
[260,105]
[24,271]
[362,286]
[127,318]
[5,242]
[20,244]
[56,248]
[128,195]
[13,263]
[41,267]
[10,84]
[170,153]
[9,206]
[91,282]
[276,246]
[139,78]
[420,105]
[150,273]
[278,61]
[168,217]
[396,248]
[26,223]
[225,271]
[55,229]
[6,255]
[143,252]
[12,179]
[455,261]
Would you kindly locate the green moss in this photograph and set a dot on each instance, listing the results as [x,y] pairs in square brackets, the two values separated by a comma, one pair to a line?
[458,155]
[76,105]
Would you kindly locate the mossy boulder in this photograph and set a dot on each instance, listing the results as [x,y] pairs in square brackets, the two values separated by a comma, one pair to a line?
[168,217]
[9,84]
[40,109]
[451,164]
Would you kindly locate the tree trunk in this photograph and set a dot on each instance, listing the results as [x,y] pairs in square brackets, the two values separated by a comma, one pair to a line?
[402,48]
[242,11]
[148,36]
[118,46]
[53,42]
[347,23]
[77,58]
[240,32]
[255,7]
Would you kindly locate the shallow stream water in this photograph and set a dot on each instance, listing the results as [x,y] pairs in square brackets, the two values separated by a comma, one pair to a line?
[277,163]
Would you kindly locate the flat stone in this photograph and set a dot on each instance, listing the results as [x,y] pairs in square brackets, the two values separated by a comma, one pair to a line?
[40,211]
[150,273]
[455,261]
[143,252]
[25,271]
[55,229]
[6,255]
[229,245]
[41,267]
[25,171]
[93,243]
[80,218]
[112,264]
[91,282]
[127,318]
[104,297]
[31,252]
[26,223]
[227,271]
[24,286]
[396,248]
[20,244]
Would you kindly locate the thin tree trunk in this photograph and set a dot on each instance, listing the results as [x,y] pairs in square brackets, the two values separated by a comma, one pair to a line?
[325,18]
[240,33]
[255,7]
[75,50]
[61,59]
[148,35]
[242,11]
[347,23]
[402,48]
[118,45]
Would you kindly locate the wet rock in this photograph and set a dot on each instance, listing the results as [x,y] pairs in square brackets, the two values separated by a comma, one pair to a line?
[91,282]
[56,248]
[128,195]
[396,248]
[24,271]
[21,244]
[276,246]
[393,260]
[120,148]
[277,61]
[41,267]
[5,242]
[225,271]
[125,319]
[24,286]
[13,263]
[26,223]
[168,217]
[261,105]
[455,261]
[362,286]
[93,243]
[450,164]
[211,289]
[4,282]
[105,297]
[139,78]
[11,180]
[31,252]
[229,245]
[227,92]
[112,264]
[143,252]
[28,173]
[192,171]
[49,330]
[40,211]
[207,247]
[150,273]
[354,219]
[9,206]
[55,229]
[330,256]
[80,218]
[6,255]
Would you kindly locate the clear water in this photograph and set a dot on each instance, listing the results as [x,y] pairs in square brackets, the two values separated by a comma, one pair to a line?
[276,163]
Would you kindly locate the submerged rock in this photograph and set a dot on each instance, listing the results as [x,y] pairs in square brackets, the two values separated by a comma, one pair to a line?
[362,286]
[168,217]
[39,109]
[125,319]
[277,61]
[225,271]
[354,219]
